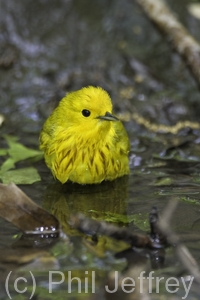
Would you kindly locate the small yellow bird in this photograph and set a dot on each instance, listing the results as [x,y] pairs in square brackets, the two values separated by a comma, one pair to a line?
[82,141]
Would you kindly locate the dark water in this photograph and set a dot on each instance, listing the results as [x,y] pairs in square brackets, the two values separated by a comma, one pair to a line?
[51,47]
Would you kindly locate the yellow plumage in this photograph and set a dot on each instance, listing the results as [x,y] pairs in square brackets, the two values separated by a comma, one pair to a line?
[82,141]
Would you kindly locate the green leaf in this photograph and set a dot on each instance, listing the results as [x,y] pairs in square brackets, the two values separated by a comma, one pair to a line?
[141,221]
[18,151]
[3,152]
[164,181]
[190,200]
[21,176]
[111,217]
[7,165]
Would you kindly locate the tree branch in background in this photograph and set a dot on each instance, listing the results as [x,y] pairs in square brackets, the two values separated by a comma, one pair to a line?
[177,34]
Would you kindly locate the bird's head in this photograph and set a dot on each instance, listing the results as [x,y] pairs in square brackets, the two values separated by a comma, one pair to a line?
[87,110]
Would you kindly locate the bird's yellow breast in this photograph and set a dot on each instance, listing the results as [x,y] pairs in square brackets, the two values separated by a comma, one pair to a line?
[82,141]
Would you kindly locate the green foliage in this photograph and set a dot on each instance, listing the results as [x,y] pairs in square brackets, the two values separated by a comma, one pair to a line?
[17,152]
[190,200]
[140,220]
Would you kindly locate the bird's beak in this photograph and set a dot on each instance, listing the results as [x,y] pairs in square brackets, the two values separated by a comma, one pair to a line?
[108,117]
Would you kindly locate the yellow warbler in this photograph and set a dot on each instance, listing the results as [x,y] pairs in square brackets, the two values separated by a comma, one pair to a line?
[82,141]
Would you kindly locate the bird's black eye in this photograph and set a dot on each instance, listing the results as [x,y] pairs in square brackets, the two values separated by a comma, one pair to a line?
[86,113]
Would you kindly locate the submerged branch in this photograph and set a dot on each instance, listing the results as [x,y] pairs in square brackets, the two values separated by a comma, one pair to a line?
[177,34]
[92,227]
